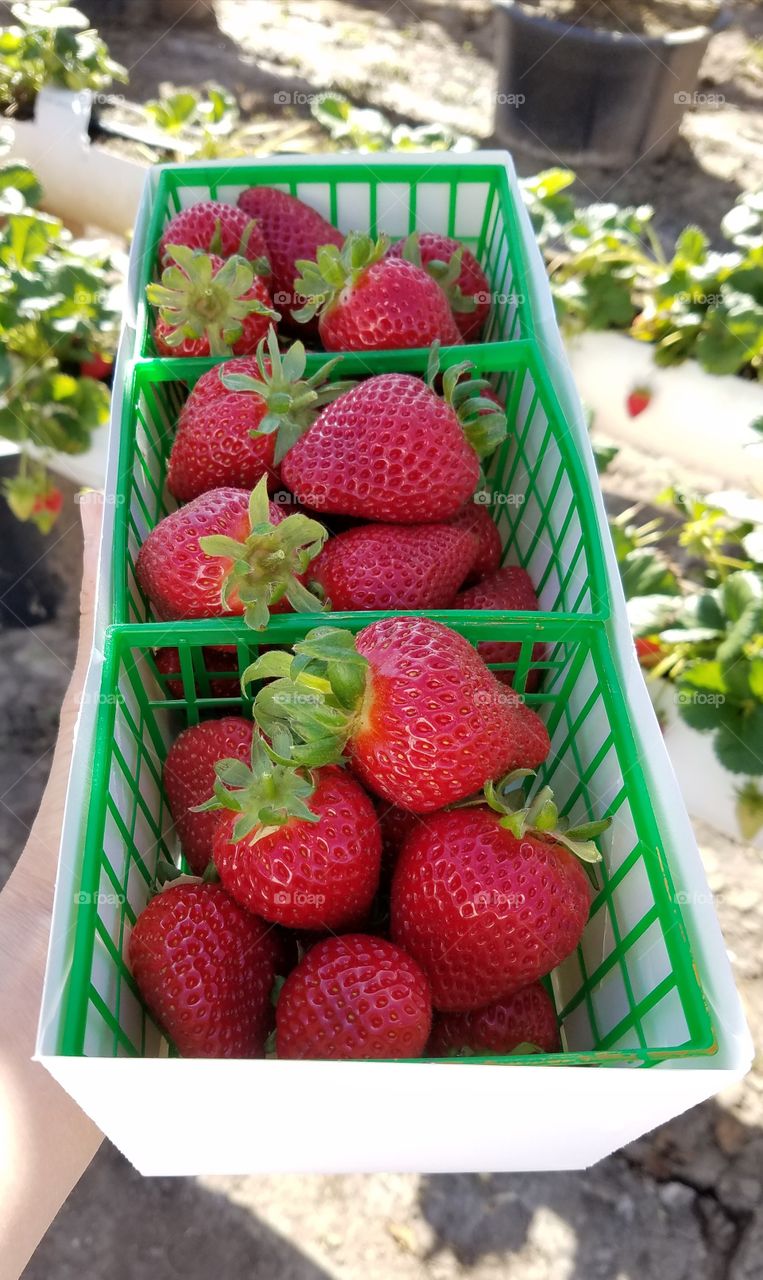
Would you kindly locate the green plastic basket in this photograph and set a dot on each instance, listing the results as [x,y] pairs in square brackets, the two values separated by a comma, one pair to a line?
[629,995]
[471,202]
[538,490]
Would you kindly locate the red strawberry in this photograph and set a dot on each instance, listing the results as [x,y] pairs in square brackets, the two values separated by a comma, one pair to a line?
[391,449]
[97,366]
[229,552]
[423,720]
[205,969]
[354,997]
[478,521]
[457,272]
[526,1018]
[47,508]
[484,911]
[367,302]
[638,400]
[215,660]
[216,228]
[392,566]
[292,230]
[648,650]
[226,434]
[296,848]
[189,777]
[209,306]
[511,589]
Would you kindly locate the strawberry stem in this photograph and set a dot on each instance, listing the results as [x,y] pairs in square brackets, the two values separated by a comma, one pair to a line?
[199,299]
[268,564]
[265,794]
[538,816]
[316,693]
[484,423]
[293,401]
[320,282]
[444,273]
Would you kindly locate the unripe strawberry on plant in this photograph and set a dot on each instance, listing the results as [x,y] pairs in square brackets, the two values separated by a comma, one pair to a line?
[209,306]
[366,301]
[392,449]
[237,415]
[354,997]
[458,273]
[188,778]
[220,229]
[229,553]
[422,721]
[205,969]
[525,1022]
[491,898]
[296,846]
[393,566]
[292,230]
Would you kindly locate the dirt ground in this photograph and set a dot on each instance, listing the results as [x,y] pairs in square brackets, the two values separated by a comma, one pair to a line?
[427,60]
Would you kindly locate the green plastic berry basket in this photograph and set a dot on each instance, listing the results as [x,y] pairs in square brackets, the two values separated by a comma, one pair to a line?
[630,995]
[472,202]
[538,490]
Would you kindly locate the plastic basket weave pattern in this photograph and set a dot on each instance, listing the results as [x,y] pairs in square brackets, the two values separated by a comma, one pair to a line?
[630,995]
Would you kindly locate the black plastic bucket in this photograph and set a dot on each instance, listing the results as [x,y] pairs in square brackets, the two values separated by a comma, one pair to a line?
[597,96]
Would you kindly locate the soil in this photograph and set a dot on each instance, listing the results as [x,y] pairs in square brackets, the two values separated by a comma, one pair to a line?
[629,16]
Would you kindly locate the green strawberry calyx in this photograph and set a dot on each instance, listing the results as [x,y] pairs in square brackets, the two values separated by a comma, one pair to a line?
[317,693]
[538,816]
[261,265]
[198,299]
[266,794]
[446,274]
[482,421]
[292,400]
[268,564]
[321,282]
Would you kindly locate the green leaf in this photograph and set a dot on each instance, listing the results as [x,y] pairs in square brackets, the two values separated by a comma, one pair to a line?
[739,591]
[646,572]
[692,245]
[738,743]
[706,675]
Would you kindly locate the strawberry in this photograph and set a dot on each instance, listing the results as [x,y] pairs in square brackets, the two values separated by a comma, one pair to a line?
[229,552]
[638,400]
[209,306]
[422,719]
[354,997]
[457,272]
[491,899]
[97,366]
[391,449]
[392,566]
[525,1020]
[296,847]
[478,521]
[368,302]
[226,434]
[649,650]
[292,231]
[511,589]
[216,660]
[189,777]
[205,969]
[216,228]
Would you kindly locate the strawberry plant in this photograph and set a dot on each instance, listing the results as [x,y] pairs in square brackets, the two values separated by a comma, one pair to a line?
[50,44]
[609,270]
[696,612]
[56,315]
